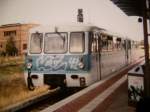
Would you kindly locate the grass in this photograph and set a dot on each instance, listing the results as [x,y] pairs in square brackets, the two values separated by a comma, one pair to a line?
[10,70]
[11,60]
[12,86]
[15,90]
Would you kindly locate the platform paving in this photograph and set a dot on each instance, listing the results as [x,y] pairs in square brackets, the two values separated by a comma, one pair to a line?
[109,95]
[75,102]
[119,101]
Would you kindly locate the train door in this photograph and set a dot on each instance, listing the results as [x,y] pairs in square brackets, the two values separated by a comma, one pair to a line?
[95,56]
[107,60]
[99,57]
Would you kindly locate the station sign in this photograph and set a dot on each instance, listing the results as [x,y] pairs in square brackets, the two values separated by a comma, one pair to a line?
[80,15]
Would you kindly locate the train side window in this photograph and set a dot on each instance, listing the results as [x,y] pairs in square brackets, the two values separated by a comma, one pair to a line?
[110,43]
[129,44]
[104,43]
[114,43]
[94,43]
[118,44]
[124,44]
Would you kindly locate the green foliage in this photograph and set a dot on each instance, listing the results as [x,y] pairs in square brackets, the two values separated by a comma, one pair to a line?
[11,49]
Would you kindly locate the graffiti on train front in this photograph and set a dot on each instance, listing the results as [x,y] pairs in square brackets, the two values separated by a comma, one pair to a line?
[59,62]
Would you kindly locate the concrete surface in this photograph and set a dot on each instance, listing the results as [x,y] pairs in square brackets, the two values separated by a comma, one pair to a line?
[120,101]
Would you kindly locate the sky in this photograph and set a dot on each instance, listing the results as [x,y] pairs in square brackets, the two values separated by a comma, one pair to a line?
[102,13]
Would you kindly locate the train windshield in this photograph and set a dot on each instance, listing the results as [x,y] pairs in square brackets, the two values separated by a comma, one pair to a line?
[36,43]
[55,43]
[77,42]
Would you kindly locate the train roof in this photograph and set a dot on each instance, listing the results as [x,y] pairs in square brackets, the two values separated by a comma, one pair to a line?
[74,28]
[67,28]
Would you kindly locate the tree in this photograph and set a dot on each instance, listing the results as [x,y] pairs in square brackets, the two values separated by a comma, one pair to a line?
[11,49]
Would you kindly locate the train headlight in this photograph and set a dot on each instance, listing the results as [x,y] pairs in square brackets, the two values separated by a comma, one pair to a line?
[81,65]
[29,65]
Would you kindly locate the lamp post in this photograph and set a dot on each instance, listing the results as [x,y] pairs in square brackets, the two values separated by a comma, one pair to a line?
[146,48]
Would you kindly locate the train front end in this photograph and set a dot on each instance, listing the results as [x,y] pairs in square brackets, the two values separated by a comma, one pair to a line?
[58,59]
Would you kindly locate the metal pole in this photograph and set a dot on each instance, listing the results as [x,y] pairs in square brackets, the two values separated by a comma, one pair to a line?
[20,40]
[146,49]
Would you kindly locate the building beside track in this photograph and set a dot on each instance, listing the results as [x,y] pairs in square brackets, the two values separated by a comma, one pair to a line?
[19,32]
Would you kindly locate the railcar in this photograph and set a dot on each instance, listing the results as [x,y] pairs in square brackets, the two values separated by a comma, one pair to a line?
[73,56]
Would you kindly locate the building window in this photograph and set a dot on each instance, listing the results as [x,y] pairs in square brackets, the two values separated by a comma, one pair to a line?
[24,46]
[10,33]
[1,46]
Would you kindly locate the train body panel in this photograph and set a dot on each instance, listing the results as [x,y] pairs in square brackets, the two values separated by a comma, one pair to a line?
[74,56]
[112,61]
[67,66]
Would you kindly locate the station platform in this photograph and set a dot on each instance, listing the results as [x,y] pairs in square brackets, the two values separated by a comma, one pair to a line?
[107,95]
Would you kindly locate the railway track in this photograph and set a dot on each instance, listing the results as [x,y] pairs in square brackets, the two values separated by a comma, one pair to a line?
[57,95]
